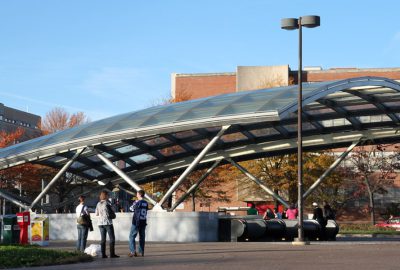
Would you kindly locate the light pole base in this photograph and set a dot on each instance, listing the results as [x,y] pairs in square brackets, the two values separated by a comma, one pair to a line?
[297,242]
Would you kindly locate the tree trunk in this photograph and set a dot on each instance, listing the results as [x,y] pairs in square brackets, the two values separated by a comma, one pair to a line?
[193,202]
[276,201]
[371,201]
[292,194]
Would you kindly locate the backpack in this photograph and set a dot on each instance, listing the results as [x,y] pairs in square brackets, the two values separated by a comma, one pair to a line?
[110,212]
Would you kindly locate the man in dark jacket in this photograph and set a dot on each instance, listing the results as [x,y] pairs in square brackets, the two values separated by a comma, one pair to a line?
[318,215]
[139,222]
[329,213]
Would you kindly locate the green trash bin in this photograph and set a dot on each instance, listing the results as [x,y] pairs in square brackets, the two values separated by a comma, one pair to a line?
[10,229]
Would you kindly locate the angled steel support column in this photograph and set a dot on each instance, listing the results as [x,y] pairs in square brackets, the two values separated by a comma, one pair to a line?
[331,168]
[127,191]
[14,201]
[123,176]
[57,176]
[196,185]
[258,182]
[191,166]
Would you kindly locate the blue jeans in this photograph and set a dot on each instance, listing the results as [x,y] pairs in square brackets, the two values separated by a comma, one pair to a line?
[104,230]
[82,237]
[132,236]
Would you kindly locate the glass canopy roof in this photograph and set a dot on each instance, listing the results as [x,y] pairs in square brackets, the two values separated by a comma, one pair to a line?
[161,141]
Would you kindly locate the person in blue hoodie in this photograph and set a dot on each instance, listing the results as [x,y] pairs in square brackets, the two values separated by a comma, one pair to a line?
[139,222]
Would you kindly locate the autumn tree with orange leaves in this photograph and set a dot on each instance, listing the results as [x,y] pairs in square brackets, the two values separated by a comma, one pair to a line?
[59,119]
[24,176]
[56,120]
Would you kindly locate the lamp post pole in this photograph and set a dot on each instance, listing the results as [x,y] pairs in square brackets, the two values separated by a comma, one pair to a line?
[291,24]
[300,138]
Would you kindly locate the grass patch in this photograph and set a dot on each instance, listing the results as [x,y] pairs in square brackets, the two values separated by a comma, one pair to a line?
[23,256]
[365,229]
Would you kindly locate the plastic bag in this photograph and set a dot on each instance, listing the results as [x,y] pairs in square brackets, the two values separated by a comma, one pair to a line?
[93,250]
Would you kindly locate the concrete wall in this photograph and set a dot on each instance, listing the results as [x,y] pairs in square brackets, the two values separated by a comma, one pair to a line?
[162,227]
[260,77]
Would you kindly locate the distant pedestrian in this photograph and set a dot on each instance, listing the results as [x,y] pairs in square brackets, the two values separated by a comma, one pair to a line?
[329,213]
[268,214]
[139,222]
[252,210]
[318,215]
[277,214]
[292,212]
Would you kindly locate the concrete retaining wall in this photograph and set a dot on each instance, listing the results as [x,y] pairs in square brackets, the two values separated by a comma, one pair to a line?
[162,227]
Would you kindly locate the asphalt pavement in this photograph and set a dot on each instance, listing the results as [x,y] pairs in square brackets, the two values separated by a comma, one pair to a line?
[346,253]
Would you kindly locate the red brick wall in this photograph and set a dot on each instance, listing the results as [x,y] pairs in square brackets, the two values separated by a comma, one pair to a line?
[340,74]
[198,86]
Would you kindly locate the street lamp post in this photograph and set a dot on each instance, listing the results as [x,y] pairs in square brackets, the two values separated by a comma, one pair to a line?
[292,24]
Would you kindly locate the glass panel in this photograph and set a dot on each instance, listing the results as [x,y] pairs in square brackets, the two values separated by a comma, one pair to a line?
[99,127]
[92,172]
[338,122]
[213,129]
[264,132]
[200,144]
[94,158]
[364,119]
[173,150]
[327,123]
[320,111]
[234,137]
[379,118]
[61,136]
[156,141]
[185,134]
[77,165]
[142,158]
[126,149]
[357,107]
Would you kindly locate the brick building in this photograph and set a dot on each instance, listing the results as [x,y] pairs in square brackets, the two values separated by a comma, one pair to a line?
[11,119]
[194,86]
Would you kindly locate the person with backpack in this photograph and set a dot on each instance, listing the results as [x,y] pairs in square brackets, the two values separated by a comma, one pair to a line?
[106,215]
[139,222]
[83,228]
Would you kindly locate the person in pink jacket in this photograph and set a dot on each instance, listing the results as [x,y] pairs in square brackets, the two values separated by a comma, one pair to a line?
[292,212]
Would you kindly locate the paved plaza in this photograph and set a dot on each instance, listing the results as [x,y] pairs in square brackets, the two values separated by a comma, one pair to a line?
[343,254]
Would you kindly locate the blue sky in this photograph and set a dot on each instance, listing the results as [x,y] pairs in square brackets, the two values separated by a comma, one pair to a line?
[109,57]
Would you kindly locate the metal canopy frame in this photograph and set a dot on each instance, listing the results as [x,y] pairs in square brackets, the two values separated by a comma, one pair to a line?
[163,141]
